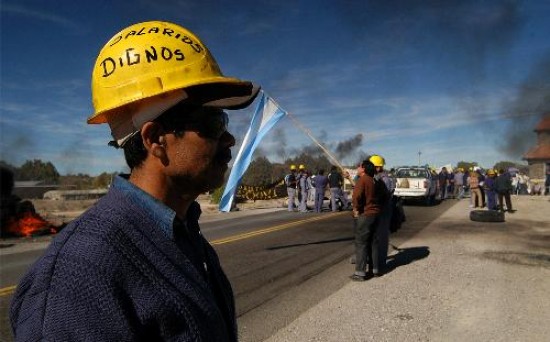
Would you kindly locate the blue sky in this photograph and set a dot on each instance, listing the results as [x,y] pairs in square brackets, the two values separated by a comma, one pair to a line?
[455,80]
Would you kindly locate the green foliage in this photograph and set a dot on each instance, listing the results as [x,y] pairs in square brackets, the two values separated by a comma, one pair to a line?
[216,195]
[103,180]
[76,182]
[37,170]
[262,172]
[466,165]
[8,166]
[313,163]
[259,173]
[508,164]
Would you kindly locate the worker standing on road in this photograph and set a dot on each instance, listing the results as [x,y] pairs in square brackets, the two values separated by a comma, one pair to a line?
[458,191]
[504,189]
[303,185]
[473,183]
[481,178]
[135,266]
[443,179]
[291,182]
[382,238]
[321,183]
[547,180]
[336,181]
[490,190]
[367,205]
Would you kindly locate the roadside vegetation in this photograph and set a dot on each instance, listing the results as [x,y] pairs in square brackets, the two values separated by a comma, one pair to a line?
[261,172]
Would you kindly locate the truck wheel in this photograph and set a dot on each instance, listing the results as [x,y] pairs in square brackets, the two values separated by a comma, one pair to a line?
[487,216]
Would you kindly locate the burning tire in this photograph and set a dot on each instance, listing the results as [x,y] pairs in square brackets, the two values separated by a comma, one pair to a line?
[487,216]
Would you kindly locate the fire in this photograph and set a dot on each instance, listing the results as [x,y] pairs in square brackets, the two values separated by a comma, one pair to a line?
[28,224]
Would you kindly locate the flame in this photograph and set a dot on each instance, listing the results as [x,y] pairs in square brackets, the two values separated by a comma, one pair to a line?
[29,223]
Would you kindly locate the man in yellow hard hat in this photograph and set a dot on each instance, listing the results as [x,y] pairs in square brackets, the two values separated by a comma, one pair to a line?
[291,182]
[303,187]
[135,266]
[367,202]
[380,242]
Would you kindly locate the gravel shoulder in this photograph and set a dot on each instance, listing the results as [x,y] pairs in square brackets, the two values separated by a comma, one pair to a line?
[456,280]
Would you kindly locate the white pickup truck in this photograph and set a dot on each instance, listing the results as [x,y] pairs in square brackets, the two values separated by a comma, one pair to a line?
[416,182]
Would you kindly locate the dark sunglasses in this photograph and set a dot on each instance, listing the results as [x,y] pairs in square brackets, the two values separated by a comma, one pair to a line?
[208,122]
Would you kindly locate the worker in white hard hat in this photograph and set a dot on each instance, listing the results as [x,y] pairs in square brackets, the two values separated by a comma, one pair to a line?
[135,266]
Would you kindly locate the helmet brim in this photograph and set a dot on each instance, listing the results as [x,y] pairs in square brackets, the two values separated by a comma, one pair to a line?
[230,96]
[221,92]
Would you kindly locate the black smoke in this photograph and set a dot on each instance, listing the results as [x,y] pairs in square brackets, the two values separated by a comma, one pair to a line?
[530,105]
[346,147]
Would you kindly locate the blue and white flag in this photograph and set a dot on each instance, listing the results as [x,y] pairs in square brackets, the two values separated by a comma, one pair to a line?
[266,116]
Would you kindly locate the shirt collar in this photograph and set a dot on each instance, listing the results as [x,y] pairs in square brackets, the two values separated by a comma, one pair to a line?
[152,207]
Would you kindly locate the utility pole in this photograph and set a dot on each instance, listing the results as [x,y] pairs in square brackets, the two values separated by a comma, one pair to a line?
[419,153]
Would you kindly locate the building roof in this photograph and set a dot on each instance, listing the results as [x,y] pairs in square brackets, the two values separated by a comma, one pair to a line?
[539,152]
[544,124]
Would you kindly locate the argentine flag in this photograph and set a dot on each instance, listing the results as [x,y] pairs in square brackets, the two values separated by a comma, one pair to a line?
[266,116]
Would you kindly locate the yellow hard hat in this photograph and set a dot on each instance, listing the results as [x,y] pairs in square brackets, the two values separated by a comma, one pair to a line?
[377,160]
[157,58]
[302,167]
[293,167]
[491,172]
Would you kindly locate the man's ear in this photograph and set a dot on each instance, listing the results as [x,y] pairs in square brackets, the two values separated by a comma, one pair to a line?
[154,140]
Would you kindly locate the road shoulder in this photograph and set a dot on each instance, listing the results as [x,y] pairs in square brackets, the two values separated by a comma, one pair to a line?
[455,280]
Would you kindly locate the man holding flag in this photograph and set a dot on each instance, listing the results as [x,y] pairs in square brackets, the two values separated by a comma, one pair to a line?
[267,114]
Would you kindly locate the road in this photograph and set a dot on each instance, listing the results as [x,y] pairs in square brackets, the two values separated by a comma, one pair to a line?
[279,263]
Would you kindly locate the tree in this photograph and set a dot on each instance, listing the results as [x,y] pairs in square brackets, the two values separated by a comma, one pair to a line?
[37,170]
[259,173]
[312,163]
[103,180]
[466,165]
[508,164]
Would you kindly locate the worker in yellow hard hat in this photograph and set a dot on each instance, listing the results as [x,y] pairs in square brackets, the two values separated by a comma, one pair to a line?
[303,186]
[136,266]
[381,241]
[489,185]
[291,182]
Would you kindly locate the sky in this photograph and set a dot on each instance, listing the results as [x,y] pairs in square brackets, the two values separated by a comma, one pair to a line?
[429,82]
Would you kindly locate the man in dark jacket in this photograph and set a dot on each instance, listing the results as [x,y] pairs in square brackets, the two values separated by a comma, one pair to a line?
[368,200]
[336,182]
[136,266]
[443,178]
[504,187]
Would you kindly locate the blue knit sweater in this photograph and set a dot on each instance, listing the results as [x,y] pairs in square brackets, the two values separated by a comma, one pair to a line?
[114,274]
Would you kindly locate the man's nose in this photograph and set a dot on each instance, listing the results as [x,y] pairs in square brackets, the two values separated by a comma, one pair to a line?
[227,139]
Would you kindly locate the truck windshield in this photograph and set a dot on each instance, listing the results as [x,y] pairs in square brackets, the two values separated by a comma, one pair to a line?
[411,173]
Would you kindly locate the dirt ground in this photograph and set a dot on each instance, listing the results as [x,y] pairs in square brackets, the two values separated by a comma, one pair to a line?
[63,211]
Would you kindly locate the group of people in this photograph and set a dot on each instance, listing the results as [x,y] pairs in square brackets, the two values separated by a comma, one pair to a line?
[304,186]
[490,189]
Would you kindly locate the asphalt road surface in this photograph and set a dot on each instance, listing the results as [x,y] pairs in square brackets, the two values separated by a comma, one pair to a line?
[279,263]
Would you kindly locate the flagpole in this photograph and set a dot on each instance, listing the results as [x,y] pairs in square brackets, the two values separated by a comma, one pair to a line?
[308,133]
